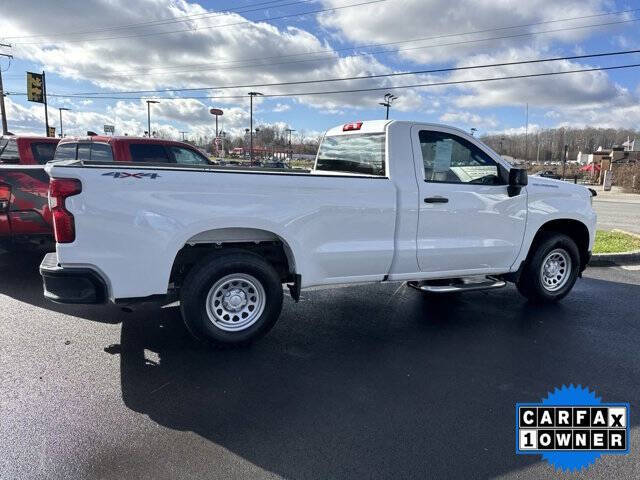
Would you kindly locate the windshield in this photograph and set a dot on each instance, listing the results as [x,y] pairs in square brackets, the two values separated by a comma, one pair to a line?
[361,153]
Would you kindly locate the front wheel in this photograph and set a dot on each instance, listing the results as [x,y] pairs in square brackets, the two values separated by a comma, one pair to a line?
[551,270]
[231,299]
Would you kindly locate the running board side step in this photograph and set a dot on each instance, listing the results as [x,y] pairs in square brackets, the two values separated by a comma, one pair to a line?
[465,284]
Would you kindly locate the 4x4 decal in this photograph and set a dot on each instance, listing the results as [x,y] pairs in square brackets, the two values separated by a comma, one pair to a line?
[132,175]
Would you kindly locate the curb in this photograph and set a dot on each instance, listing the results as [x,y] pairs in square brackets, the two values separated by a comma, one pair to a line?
[609,259]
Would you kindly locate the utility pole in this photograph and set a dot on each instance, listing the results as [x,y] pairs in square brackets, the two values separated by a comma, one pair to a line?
[66,110]
[44,96]
[149,102]
[388,100]
[526,134]
[289,130]
[3,112]
[251,95]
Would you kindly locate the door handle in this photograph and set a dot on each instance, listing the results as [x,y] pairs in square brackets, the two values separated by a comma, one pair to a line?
[436,200]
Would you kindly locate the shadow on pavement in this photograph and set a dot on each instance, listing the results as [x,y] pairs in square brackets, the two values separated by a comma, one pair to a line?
[20,279]
[371,381]
[362,382]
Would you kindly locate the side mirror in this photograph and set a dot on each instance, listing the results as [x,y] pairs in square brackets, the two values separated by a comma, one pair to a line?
[517,179]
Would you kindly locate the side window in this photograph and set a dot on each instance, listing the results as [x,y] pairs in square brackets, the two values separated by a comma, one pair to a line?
[184,156]
[9,150]
[360,153]
[84,151]
[43,152]
[451,159]
[65,151]
[148,152]
[101,152]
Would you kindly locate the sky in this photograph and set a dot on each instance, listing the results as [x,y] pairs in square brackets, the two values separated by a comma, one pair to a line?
[105,48]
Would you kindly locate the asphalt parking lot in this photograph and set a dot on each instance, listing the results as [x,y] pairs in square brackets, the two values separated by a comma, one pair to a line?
[361,382]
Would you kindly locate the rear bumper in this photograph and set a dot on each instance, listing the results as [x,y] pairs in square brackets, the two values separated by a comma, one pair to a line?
[71,285]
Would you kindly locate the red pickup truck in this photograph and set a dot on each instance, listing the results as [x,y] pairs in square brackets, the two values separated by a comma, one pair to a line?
[24,212]
[25,217]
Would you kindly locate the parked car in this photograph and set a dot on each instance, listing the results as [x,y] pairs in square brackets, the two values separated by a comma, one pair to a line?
[24,213]
[548,174]
[276,164]
[25,217]
[387,201]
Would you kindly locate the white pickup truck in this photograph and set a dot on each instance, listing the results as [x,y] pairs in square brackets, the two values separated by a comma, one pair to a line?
[387,201]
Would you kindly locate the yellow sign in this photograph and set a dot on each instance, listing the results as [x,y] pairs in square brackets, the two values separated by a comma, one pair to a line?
[35,90]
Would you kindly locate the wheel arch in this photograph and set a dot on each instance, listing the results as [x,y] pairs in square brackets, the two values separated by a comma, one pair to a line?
[574,229]
[275,249]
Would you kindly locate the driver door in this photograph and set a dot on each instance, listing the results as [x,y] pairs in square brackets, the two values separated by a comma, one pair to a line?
[467,221]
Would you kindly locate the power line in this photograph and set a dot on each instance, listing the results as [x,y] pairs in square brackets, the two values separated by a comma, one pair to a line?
[381,52]
[179,19]
[369,2]
[213,66]
[372,89]
[365,77]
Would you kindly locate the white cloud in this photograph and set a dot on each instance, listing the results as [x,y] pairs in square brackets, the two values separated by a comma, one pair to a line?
[244,54]
[590,88]
[469,119]
[281,107]
[437,20]
[531,128]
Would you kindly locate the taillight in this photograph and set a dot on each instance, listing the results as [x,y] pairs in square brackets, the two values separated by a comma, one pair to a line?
[347,127]
[63,223]
[5,198]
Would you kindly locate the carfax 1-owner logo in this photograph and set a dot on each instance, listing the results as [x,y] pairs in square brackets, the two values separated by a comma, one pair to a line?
[571,428]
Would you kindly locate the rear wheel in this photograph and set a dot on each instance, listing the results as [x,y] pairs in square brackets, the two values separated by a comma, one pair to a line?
[231,299]
[551,270]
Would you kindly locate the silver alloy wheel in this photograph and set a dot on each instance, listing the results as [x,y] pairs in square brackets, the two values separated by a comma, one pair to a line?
[235,302]
[555,270]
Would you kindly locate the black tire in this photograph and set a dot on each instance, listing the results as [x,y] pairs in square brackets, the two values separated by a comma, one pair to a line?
[538,287]
[203,323]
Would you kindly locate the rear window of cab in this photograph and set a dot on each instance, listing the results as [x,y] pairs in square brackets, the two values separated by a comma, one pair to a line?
[362,153]
[95,151]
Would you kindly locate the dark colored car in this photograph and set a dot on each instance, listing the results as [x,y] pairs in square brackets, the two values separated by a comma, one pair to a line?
[276,164]
[24,210]
[25,217]
[548,174]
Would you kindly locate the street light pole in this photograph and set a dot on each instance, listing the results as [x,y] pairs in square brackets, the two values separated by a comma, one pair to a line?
[66,110]
[3,113]
[388,100]
[251,95]
[149,102]
[290,149]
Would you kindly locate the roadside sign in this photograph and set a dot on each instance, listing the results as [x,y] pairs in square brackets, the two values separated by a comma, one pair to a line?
[35,87]
[109,129]
[51,132]
[215,111]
